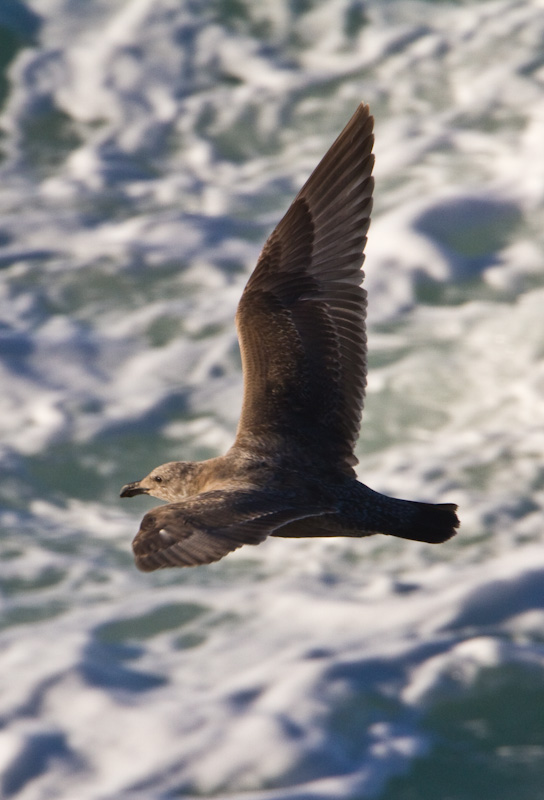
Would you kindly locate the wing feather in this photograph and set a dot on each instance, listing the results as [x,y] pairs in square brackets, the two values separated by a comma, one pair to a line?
[204,528]
[301,318]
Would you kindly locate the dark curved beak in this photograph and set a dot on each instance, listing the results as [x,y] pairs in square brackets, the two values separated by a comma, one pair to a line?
[132,489]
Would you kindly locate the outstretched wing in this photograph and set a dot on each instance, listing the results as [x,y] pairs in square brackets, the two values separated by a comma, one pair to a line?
[206,527]
[301,318]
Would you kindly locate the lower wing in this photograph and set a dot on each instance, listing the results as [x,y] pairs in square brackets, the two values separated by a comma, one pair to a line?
[204,528]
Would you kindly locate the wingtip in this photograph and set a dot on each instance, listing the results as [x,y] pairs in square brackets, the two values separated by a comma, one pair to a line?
[363,111]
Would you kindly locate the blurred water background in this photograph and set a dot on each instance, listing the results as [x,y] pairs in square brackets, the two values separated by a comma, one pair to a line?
[147,149]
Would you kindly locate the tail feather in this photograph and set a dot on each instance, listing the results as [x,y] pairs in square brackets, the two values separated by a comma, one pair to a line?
[366,512]
[428,523]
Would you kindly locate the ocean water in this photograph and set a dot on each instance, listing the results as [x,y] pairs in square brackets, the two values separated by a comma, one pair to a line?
[147,149]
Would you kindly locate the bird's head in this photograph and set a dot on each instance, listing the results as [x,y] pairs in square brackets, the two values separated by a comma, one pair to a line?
[171,482]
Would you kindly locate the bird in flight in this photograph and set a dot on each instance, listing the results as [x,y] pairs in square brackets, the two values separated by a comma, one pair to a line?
[301,328]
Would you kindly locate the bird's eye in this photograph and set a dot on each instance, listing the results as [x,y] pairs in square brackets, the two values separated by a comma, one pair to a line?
[157,479]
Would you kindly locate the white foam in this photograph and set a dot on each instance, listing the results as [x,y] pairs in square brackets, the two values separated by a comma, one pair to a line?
[149,149]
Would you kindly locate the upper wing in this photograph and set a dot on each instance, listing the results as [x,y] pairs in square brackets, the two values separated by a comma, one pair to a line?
[301,318]
[205,528]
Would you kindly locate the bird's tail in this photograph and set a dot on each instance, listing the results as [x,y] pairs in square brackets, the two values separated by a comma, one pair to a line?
[406,519]
[425,522]
[368,512]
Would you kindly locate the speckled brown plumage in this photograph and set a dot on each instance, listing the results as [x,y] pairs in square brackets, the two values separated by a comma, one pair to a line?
[301,327]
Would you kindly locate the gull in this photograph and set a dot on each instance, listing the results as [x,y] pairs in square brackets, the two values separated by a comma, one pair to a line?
[301,329]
